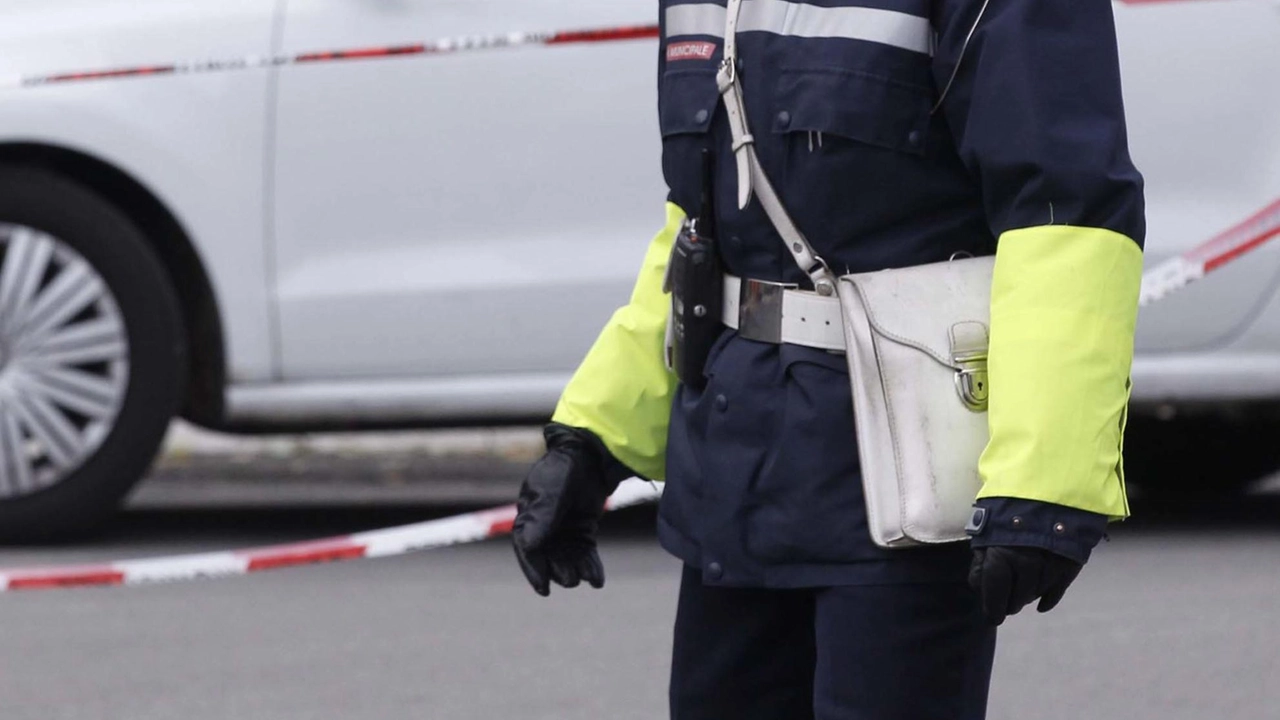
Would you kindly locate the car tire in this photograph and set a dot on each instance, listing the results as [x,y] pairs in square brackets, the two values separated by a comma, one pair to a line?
[1199,457]
[124,352]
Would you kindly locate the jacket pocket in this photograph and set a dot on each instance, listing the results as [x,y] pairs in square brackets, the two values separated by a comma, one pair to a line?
[687,101]
[853,105]
[852,146]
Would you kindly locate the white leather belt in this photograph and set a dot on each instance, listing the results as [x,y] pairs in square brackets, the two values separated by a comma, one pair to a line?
[780,313]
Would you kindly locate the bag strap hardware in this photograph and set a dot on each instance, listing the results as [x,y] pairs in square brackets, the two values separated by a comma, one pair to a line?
[751,177]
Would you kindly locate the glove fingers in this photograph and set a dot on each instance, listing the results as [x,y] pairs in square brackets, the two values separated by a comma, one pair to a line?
[975,569]
[543,501]
[564,568]
[591,569]
[1054,594]
[1028,583]
[536,571]
[995,579]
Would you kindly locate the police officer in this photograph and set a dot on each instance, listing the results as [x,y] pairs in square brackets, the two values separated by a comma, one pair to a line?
[897,133]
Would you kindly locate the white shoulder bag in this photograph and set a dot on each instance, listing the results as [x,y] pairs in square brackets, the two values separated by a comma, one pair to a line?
[916,342]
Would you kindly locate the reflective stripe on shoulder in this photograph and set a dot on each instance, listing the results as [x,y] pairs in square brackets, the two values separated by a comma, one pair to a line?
[888,27]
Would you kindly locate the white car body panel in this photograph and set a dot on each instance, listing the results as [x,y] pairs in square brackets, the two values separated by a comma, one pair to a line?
[1202,85]
[462,215]
[196,141]
[439,238]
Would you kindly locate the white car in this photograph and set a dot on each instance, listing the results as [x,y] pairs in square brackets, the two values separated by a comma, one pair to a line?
[345,213]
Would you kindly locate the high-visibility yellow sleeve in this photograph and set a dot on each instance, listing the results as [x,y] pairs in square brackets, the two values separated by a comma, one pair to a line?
[1064,302]
[622,391]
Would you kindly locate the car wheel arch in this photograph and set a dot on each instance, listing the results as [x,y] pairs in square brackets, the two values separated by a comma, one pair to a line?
[172,244]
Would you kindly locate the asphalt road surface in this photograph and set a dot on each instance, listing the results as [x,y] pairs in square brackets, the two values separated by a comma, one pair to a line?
[1178,617]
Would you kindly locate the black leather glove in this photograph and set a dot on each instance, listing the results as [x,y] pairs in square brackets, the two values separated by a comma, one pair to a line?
[1009,578]
[560,504]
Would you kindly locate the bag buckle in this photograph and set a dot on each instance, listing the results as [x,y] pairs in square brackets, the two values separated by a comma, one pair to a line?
[969,342]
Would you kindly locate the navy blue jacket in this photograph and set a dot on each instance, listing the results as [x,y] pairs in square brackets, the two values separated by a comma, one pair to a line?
[897,132]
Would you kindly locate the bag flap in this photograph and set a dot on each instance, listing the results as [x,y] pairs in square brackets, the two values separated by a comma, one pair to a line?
[921,306]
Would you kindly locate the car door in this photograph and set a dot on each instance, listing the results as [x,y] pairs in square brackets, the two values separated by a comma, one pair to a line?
[476,213]
[1202,93]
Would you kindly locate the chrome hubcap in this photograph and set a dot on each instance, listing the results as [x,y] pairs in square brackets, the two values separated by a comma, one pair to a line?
[64,360]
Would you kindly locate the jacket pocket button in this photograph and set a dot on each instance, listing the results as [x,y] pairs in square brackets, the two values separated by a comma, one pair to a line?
[715,571]
[701,116]
[722,403]
[1017,522]
[784,118]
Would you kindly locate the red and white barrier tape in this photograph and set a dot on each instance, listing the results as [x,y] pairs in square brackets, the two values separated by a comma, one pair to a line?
[1157,283]
[1178,272]
[446,46]
[471,527]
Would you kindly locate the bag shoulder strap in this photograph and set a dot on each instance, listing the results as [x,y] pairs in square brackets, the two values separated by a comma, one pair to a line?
[751,176]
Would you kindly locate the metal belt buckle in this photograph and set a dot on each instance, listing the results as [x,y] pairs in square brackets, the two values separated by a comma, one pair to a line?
[969,356]
[760,310]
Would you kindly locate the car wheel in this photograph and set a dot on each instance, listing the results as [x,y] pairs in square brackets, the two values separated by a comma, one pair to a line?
[92,358]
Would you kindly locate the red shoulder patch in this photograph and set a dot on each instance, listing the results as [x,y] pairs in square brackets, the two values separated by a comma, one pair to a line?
[691,50]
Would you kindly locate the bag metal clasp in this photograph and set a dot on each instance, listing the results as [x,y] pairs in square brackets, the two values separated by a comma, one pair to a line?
[969,341]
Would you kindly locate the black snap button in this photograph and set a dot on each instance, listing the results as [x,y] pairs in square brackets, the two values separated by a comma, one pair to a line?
[784,118]
[1059,528]
[913,138]
[722,403]
[701,116]
[735,240]
[714,570]
[1017,521]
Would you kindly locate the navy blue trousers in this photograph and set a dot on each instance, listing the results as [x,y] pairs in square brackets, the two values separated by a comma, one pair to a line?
[869,652]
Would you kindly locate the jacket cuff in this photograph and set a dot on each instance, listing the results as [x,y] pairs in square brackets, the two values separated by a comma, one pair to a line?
[613,471]
[1059,529]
